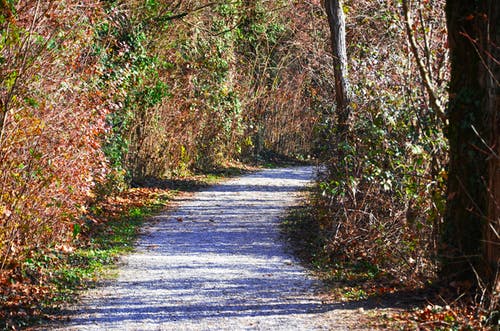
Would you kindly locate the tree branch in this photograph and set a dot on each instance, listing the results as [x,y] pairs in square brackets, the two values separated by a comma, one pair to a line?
[436,104]
[184,14]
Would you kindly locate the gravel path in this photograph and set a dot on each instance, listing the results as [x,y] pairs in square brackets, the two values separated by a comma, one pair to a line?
[217,262]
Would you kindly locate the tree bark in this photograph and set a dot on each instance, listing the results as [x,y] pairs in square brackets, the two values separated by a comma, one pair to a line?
[336,21]
[492,231]
[470,238]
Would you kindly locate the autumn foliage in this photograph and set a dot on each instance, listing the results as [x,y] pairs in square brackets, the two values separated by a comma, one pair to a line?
[227,81]
[51,121]
[98,95]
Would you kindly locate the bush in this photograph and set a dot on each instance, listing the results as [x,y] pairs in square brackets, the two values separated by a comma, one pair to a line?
[51,121]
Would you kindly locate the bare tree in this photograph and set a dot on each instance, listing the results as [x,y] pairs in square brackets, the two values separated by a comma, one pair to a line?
[336,21]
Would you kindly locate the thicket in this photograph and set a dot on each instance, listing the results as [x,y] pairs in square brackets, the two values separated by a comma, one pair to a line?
[198,83]
[381,194]
[51,120]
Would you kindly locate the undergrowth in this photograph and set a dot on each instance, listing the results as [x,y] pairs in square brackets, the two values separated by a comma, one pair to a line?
[412,307]
[52,277]
[348,280]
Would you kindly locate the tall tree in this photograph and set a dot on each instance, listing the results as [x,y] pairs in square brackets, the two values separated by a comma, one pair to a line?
[336,21]
[471,229]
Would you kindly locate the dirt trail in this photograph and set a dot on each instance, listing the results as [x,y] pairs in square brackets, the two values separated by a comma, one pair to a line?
[216,262]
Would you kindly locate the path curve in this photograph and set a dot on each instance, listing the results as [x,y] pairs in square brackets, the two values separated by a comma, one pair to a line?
[216,262]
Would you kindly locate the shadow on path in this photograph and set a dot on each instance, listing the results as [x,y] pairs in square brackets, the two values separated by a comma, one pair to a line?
[216,262]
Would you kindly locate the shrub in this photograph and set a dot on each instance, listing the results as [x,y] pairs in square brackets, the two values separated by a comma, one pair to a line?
[51,120]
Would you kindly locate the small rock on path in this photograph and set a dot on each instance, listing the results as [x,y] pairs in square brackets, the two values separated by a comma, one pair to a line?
[216,262]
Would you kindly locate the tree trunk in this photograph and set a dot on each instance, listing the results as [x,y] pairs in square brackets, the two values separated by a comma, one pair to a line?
[336,21]
[470,243]
[492,237]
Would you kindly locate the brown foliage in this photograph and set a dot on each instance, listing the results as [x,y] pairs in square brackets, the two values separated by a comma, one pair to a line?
[51,122]
[292,83]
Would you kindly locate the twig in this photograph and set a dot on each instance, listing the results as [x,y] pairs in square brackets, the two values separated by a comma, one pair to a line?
[484,142]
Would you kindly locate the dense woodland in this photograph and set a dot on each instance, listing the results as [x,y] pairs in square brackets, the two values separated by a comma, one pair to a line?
[97,96]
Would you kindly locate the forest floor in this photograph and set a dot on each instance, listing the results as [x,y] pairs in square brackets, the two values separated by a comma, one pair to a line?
[217,261]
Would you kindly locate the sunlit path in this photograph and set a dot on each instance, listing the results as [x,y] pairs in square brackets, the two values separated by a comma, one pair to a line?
[217,262]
